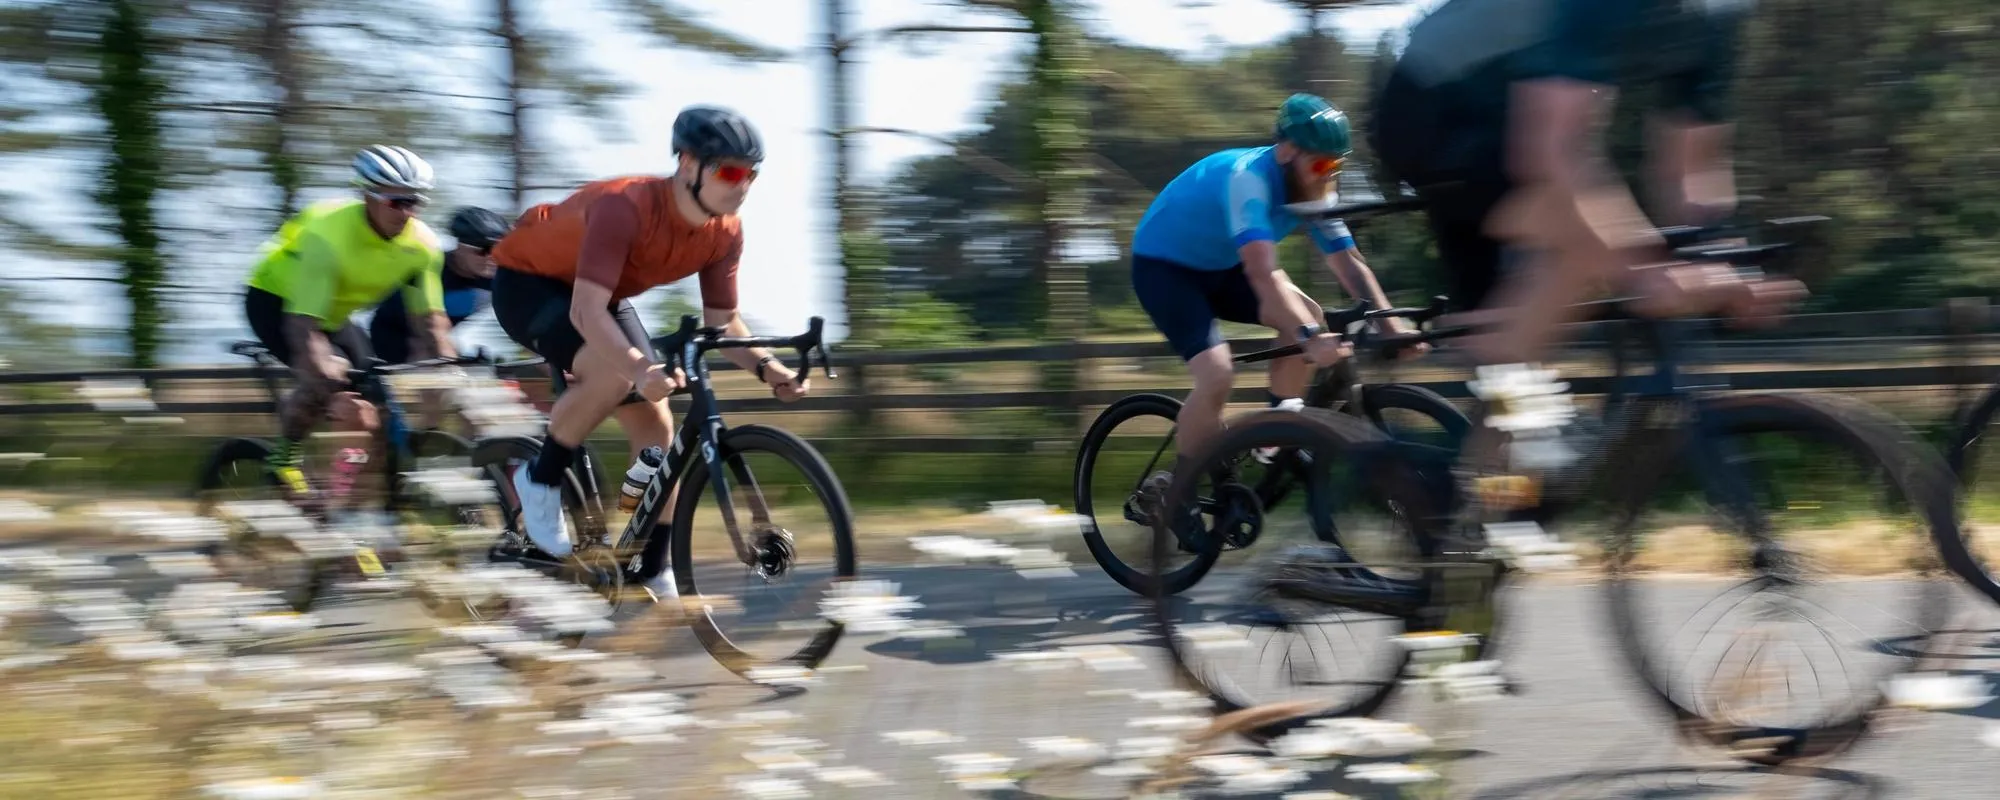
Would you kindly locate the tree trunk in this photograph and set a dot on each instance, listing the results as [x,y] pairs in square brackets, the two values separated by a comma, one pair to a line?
[129,95]
[1060,160]
[517,128]
[861,285]
[281,58]
[1309,76]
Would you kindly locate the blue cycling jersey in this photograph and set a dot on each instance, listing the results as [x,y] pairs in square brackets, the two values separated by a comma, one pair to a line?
[1220,204]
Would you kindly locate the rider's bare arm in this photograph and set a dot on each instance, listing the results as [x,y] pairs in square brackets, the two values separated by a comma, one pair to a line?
[1273,287]
[430,336]
[1359,281]
[1356,277]
[1692,175]
[718,306]
[1569,197]
[607,240]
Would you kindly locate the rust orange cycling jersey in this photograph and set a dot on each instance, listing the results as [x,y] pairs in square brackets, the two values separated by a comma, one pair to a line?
[664,246]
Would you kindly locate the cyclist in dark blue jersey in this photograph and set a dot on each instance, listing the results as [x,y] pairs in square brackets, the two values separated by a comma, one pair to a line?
[467,279]
[1496,113]
[1207,251]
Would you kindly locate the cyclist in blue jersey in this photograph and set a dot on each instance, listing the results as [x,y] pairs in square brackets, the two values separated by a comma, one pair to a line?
[1207,251]
[467,280]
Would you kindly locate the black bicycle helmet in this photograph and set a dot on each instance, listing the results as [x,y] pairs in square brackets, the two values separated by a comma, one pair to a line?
[712,132]
[478,228]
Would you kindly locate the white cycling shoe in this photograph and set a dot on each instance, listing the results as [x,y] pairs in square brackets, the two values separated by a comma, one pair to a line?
[542,517]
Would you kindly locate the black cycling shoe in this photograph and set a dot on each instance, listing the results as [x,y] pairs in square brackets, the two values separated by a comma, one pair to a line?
[1326,574]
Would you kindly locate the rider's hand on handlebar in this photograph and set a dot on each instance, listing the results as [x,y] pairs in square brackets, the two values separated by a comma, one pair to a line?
[1400,326]
[787,385]
[1682,289]
[1326,350]
[655,382]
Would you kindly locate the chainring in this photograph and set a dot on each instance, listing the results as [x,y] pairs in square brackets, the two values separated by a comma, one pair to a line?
[1239,516]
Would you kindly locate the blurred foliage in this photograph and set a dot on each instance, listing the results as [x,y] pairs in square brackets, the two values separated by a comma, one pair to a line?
[27,344]
[1876,113]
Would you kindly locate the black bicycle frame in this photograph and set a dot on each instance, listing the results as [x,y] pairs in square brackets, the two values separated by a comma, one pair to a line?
[395,433]
[1714,459]
[703,424]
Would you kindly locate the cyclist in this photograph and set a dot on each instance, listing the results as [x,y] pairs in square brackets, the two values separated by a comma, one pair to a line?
[1494,114]
[467,280]
[563,284]
[1207,250]
[333,258]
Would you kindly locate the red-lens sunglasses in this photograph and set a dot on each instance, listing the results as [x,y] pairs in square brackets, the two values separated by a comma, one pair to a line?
[733,174]
[1325,165]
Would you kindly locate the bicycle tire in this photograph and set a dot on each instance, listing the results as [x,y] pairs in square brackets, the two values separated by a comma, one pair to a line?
[1434,459]
[298,596]
[1962,457]
[694,488]
[1137,579]
[491,456]
[1917,476]
[1330,436]
[438,444]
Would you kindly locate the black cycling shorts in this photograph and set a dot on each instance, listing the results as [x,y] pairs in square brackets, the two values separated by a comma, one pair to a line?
[534,311]
[1420,138]
[266,314]
[1185,303]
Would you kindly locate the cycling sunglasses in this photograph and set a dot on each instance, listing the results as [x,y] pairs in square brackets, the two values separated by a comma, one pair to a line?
[400,202]
[1324,165]
[734,174]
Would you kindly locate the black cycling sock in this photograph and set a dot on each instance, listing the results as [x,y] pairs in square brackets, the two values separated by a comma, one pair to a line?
[547,468]
[1271,398]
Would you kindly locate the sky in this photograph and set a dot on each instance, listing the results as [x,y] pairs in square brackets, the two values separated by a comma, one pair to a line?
[788,272]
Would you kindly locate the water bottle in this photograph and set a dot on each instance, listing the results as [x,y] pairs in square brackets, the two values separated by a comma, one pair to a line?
[638,476]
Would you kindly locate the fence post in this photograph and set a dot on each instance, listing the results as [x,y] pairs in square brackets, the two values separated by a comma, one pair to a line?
[1964,317]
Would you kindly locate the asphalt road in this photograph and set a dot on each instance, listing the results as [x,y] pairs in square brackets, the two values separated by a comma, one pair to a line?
[1579,730]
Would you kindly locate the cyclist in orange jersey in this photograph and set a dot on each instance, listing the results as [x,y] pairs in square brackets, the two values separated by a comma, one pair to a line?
[563,284]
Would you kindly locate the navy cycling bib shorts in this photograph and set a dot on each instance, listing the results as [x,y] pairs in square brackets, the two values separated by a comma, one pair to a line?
[1185,267]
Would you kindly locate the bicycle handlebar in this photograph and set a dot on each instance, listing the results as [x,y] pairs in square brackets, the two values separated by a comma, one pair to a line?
[1356,212]
[673,347]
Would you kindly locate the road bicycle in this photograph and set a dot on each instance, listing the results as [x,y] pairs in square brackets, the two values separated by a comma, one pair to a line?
[766,549]
[1131,426]
[1665,438]
[239,469]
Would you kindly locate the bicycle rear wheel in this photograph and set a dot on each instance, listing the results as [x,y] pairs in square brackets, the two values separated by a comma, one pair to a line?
[239,471]
[591,564]
[784,501]
[1811,465]
[1359,493]
[1120,536]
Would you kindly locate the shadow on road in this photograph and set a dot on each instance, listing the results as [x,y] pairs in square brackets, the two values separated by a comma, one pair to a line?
[1080,781]
[1694,782]
[1000,611]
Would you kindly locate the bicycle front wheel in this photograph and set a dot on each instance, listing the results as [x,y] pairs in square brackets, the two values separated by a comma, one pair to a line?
[1285,627]
[1820,520]
[1967,456]
[756,551]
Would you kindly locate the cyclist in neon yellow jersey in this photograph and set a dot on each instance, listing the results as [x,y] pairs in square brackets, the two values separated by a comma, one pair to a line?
[332,259]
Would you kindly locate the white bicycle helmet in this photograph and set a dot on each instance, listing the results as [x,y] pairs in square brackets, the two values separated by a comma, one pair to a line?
[380,166]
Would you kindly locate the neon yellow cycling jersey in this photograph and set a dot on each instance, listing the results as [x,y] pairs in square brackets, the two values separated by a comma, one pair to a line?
[327,263]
